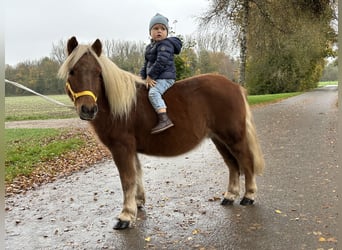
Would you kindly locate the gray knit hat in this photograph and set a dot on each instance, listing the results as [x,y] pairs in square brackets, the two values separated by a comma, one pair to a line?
[158,18]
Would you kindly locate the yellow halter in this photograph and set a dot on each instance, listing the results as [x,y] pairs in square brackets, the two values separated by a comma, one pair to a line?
[79,94]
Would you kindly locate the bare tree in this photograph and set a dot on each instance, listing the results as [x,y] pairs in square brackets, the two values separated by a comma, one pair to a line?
[58,52]
[229,16]
[108,47]
[215,42]
[128,55]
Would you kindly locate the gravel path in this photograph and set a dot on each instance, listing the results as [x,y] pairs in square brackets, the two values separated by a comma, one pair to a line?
[51,123]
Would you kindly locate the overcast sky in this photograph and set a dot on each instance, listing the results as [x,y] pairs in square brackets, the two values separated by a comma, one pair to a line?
[31,27]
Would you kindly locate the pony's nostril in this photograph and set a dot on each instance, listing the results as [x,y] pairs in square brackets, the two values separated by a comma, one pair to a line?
[87,110]
[84,109]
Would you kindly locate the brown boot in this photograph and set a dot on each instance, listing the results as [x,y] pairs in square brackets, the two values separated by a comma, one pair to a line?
[163,124]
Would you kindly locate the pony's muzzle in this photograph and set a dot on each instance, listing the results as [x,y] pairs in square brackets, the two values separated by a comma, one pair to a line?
[87,112]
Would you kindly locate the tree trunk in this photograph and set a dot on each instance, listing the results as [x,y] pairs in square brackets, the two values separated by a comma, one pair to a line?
[243,42]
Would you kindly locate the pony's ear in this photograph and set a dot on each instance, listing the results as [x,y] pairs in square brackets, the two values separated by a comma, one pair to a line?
[72,44]
[97,47]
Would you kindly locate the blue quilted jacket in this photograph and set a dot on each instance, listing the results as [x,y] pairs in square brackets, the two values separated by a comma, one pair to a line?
[159,59]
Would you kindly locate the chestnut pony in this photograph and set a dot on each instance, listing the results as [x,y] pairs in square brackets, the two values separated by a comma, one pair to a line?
[116,104]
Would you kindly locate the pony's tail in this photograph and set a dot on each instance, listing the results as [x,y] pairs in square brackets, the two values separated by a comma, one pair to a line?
[253,142]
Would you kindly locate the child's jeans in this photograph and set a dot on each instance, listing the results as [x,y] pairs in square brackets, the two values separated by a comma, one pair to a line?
[155,93]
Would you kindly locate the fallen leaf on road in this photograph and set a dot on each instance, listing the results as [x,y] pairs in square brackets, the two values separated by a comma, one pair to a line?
[195,231]
[215,198]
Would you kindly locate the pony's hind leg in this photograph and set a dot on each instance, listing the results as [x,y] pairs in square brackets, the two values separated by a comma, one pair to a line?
[233,190]
[245,160]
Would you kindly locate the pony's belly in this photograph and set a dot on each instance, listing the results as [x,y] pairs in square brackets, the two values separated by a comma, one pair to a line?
[169,148]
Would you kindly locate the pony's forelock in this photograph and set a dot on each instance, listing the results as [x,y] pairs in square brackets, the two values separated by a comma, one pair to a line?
[120,85]
[72,59]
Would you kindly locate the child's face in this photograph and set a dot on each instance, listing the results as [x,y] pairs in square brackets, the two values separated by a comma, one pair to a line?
[158,32]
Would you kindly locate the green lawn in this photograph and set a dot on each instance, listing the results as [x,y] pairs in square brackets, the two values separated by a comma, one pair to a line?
[36,108]
[322,84]
[25,148]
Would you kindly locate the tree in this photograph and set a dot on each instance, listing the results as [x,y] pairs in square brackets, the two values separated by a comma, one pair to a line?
[330,72]
[288,54]
[58,52]
[39,76]
[274,33]
[213,55]
[47,80]
[128,55]
[186,62]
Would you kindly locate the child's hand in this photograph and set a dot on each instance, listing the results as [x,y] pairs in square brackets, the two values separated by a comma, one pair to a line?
[150,82]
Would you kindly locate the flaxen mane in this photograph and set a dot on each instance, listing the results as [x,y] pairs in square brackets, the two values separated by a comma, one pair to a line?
[120,85]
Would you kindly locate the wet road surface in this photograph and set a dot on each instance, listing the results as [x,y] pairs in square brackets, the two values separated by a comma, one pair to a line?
[296,207]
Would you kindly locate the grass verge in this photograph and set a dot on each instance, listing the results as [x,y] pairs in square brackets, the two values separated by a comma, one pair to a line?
[322,84]
[264,99]
[25,148]
[38,156]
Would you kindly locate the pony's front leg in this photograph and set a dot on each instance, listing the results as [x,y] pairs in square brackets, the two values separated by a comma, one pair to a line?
[140,194]
[126,164]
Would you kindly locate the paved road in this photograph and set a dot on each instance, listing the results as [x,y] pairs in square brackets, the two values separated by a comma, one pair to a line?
[296,207]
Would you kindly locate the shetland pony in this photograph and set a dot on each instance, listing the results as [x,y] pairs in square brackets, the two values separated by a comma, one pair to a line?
[115,103]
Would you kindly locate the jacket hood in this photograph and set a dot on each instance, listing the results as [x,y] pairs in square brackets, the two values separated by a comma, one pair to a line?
[177,44]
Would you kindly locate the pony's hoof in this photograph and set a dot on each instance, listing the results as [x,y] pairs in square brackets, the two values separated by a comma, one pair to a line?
[225,202]
[246,201]
[121,224]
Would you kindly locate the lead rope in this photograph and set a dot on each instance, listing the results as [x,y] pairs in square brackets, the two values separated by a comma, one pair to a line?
[43,96]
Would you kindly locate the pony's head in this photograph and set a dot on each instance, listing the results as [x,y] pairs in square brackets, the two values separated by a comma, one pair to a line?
[83,77]
[88,73]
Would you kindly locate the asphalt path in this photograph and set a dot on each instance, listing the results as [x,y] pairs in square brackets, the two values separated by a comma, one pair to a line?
[296,207]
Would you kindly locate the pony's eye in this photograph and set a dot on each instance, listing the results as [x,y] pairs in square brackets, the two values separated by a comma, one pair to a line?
[71,72]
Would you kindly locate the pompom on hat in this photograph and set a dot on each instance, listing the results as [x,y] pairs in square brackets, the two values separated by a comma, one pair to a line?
[158,18]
